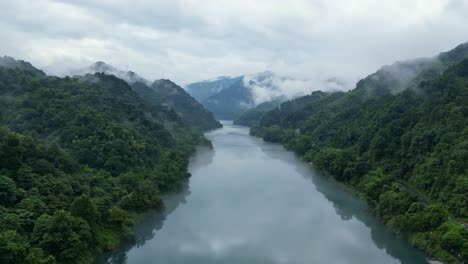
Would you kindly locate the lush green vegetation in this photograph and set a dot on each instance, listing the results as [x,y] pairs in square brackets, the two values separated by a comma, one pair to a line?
[78,157]
[161,93]
[251,116]
[165,92]
[406,152]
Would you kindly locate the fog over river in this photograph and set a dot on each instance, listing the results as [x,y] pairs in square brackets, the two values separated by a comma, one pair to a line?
[249,201]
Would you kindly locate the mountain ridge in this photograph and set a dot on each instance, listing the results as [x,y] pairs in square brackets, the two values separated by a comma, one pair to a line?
[10,62]
[164,92]
[383,144]
[80,159]
[250,90]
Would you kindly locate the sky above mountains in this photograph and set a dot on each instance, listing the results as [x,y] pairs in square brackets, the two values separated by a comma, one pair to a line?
[191,40]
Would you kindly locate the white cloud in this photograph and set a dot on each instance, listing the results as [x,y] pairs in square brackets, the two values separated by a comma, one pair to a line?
[268,86]
[190,40]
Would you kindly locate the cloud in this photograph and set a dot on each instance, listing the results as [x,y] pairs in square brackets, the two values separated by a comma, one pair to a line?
[268,86]
[189,40]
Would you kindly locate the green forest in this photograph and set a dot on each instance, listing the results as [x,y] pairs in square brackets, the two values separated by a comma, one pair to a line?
[83,158]
[406,153]
[80,159]
[165,92]
[234,132]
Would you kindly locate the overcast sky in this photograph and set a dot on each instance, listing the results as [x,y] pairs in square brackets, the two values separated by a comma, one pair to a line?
[191,40]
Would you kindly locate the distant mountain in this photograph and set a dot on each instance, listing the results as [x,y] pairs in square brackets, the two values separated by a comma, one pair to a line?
[170,94]
[204,89]
[229,97]
[230,102]
[249,91]
[165,93]
[9,62]
[392,79]
[251,116]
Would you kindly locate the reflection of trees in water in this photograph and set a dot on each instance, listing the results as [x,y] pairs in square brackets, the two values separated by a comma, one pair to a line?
[347,206]
[147,229]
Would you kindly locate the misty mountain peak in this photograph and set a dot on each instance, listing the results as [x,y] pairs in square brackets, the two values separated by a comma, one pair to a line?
[407,74]
[223,77]
[9,62]
[167,86]
[164,82]
[100,66]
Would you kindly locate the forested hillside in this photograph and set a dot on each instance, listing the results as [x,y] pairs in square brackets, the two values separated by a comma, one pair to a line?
[161,93]
[79,158]
[165,92]
[230,102]
[204,89]
[404,150]
[251,116]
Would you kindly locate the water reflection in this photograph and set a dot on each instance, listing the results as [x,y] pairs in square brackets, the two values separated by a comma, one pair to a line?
[348,206]
[383,239]
[147,229]
[253,202]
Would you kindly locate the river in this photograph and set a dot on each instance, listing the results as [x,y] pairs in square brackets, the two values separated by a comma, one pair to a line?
[249,201]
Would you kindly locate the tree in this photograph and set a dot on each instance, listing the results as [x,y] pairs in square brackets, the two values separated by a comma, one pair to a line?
[118,216]
[33,204]
[334,161]
[84,207]
[454,236]
[434,215]
[38,256]
[7,191]
[13,247]
[62,235]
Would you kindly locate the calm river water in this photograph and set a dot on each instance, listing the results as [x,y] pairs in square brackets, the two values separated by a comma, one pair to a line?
[249,201]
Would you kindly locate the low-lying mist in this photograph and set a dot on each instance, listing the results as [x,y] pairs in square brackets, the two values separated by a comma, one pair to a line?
[267,86]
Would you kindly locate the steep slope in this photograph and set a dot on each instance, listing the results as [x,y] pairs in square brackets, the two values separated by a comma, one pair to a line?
[171,95]
[204,89]
[164,92]
[230,102]
[253,115]
[389,80]
[252,90]
[400,150]
[78,157]
[100,66]
[278,111]
[408,74]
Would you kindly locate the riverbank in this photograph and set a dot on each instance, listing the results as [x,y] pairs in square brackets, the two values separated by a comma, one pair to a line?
[154,218]
[359,194]
[254,202]
[426,226]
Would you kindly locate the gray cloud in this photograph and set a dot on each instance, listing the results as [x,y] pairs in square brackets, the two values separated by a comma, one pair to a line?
[190,40]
